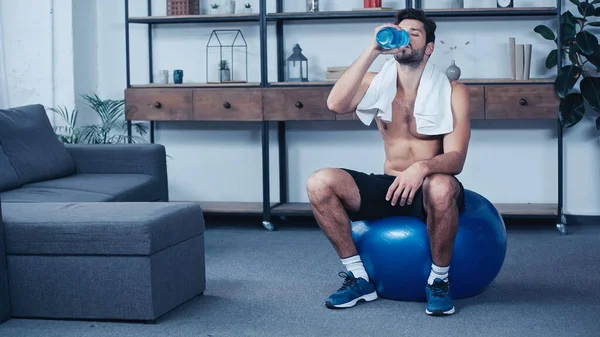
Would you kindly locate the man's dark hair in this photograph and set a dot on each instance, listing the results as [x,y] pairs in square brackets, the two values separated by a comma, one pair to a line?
[417,14]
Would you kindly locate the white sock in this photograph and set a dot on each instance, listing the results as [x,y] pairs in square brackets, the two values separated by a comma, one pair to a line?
[438,272]
[354,264]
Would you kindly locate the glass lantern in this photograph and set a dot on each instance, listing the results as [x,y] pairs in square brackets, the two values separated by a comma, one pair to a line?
[297,66]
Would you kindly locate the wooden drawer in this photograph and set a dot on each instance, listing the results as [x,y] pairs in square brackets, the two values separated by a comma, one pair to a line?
[477,101]
[526,101]
[297,104]
[243,104]
[158,104]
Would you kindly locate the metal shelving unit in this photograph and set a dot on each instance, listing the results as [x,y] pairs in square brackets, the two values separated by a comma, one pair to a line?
[279,18]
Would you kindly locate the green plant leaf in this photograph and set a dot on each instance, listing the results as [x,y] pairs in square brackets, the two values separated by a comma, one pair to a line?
[586,9]
[598,123]
[545,32]
[597,12]
[568,17]
[566,79]
[595,58]
[573,51]
[590,90]
[551,60]
[586,42]
[595,23]
[568,31]
[571,110]
[595,2]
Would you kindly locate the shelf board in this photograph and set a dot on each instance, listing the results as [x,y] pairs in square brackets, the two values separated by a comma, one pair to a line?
[196,85]
[506,81]
[524,12]
[433,13]
[195,18]
[302,84]
[465,81]
[232,208]
[488,81]
[303,209]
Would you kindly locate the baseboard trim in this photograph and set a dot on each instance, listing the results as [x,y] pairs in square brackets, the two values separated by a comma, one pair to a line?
[583,220]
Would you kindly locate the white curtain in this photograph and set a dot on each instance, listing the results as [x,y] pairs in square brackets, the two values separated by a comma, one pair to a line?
[4,103]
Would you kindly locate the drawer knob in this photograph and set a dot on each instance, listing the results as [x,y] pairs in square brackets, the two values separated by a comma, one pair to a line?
[299,105]
[523,101]
[226,105]
[157,105]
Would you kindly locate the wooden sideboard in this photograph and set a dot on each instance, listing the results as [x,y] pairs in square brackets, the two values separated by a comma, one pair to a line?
[490,99]
[280,102]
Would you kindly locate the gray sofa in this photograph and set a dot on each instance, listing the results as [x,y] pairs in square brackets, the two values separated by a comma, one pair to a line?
[47,189]
[36,167]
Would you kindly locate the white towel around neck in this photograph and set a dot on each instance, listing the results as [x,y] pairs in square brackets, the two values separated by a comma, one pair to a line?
[433,109]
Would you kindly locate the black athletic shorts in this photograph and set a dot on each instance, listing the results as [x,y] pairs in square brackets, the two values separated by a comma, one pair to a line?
[373,189]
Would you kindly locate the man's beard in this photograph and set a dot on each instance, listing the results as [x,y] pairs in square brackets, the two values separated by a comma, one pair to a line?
[411,58]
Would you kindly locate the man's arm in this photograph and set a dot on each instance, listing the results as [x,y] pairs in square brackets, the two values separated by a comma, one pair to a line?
[351,87]
[455,143]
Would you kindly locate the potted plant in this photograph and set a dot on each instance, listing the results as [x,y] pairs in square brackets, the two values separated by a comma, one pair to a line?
[112,128]
[583,51]
[225,73]
[214,9]
[248,8]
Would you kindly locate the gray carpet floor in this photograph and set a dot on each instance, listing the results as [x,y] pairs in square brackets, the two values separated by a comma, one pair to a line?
[273,284]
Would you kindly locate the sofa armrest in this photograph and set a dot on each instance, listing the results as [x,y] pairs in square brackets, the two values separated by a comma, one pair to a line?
[148,159]
[5,312]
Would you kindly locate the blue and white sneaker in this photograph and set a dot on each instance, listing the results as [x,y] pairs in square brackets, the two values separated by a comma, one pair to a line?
[439,302]
[351,292]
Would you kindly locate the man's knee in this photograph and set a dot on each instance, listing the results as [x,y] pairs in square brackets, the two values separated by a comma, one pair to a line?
[321,184]
[440,190]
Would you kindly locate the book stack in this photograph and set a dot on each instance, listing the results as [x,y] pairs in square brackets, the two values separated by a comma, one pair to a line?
[520,59]
[334,73]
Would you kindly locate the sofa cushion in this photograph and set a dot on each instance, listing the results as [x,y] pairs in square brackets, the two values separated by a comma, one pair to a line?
[105,228]
[31,146]
[8,175]
[50,194]
[121,187]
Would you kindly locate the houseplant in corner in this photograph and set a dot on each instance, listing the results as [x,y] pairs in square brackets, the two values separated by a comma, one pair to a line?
[112,128]
[581,48]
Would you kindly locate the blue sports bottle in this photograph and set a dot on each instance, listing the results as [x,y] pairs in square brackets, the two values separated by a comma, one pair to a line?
[392,38]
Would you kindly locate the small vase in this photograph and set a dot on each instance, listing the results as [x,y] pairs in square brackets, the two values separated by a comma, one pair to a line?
[312,5]
[178,76]
[229,7]
[247,10]
[225,75]
[453,72]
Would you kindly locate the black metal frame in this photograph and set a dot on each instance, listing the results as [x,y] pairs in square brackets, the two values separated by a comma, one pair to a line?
[279,17]
[215,34]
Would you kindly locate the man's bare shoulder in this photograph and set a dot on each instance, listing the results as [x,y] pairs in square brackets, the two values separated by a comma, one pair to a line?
[460,99]
[459,90]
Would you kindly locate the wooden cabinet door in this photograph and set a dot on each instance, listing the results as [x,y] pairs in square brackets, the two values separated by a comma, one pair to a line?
[159,104]
[535,101]
[243,104]
[297,104]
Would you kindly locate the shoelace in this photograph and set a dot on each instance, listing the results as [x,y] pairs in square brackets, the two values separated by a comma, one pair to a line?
[349,281]
[439,289]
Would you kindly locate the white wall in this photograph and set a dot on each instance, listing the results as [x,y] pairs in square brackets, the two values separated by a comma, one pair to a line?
[213,161]
[39,52]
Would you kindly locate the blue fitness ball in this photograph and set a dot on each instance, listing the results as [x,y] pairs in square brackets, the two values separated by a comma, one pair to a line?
[396,253]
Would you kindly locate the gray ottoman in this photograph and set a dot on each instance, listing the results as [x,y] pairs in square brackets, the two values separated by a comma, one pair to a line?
[113,261]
